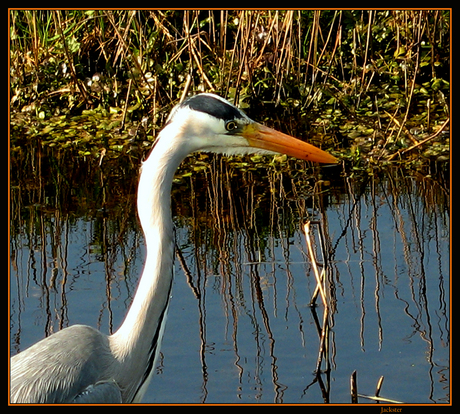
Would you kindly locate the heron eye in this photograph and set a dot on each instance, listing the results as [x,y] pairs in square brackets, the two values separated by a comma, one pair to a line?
[231,126]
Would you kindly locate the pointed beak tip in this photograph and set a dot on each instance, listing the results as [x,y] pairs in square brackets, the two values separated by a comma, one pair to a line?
[260,136]
[325,158]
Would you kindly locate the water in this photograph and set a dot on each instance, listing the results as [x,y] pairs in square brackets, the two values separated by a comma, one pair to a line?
[240,327]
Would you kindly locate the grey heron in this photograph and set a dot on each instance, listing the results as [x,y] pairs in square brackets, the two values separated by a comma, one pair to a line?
[79,364]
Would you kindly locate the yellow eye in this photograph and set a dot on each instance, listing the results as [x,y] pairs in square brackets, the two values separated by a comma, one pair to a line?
[231,126]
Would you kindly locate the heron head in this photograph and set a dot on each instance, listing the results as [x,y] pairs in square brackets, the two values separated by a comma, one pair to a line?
[207,122]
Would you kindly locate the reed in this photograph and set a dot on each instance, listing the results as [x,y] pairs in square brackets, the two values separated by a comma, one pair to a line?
[340,71]
[324,329]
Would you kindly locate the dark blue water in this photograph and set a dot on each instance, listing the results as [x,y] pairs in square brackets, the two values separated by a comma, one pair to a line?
[240,328]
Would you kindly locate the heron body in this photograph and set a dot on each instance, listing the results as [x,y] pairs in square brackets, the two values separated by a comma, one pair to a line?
[79,364]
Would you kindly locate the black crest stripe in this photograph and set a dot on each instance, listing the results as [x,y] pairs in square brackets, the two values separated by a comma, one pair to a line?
[213,106]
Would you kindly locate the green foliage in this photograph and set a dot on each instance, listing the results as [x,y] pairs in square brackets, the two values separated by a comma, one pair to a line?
[336,73]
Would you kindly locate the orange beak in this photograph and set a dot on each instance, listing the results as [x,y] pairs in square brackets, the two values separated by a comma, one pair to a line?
[260,136]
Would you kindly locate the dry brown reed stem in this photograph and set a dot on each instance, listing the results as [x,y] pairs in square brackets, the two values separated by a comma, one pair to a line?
[124,46]
[423,141]
[195,54]
[323,353]
[80,85]
[402,126]
[380,399]
[332,71]
[319,278]
[379,386]
[125,109]
[324,330]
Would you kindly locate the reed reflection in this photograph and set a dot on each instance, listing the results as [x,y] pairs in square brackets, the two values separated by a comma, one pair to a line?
[76,246]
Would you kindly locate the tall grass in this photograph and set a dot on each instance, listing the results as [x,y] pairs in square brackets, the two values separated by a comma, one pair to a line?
[375,65]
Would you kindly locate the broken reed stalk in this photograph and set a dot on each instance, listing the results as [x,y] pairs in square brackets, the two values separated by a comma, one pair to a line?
[353,388]
[377,397]
[379,386]
[324,343]
[354,392]
[324,330]
[380,399]
[319,278]
[317,290]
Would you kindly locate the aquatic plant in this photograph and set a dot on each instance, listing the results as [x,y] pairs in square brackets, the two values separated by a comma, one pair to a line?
[366,84]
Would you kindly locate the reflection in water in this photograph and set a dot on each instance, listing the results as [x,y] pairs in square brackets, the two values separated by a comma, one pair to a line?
[240,323]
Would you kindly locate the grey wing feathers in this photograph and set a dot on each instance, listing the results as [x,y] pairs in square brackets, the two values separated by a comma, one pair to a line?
[61,367]
[106,392]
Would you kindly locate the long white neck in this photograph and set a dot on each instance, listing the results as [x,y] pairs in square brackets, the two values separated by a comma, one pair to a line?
[136,343]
